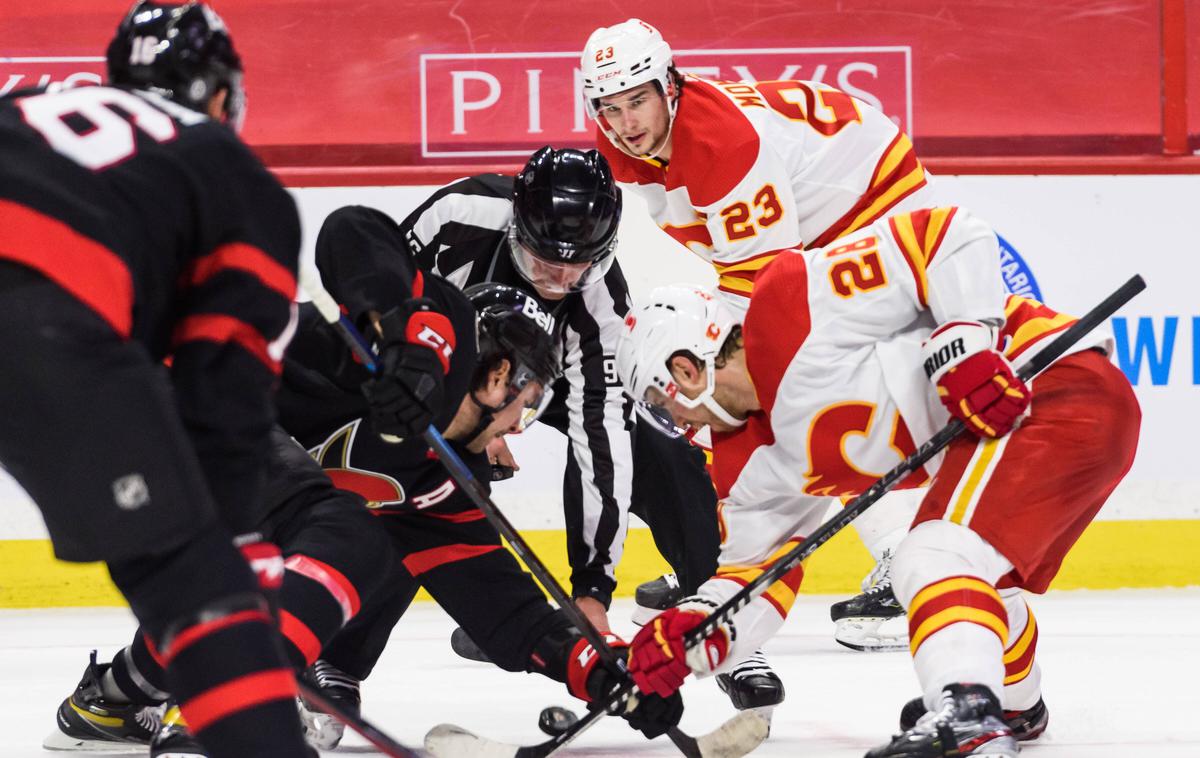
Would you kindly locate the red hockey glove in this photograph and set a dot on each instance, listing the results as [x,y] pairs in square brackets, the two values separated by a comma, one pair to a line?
[414,357]
[974,380]
[586,679]
[660,663]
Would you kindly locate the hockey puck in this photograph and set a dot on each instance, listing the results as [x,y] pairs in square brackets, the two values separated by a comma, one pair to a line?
[554,720]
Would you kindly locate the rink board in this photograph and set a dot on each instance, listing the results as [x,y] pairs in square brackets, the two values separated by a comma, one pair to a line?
[1111,555]
[1077,237]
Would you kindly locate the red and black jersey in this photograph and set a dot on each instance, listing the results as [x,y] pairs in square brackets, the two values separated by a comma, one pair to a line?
[167,226]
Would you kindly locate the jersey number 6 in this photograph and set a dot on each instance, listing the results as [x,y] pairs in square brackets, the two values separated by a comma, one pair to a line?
[99,132]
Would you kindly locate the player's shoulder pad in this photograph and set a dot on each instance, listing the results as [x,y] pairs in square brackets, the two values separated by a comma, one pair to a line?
[713,144]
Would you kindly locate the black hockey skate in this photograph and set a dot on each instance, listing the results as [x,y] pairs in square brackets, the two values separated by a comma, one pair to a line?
[873,621]
[174,739]
[968,723]
[462,644]
[322,730]
[655,596]
[86,721]
[1026,725]
[753,685]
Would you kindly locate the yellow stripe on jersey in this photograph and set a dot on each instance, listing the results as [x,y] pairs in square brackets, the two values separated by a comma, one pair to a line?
[901,151]
[1034,329]
[756,263]
[739,276]
[780,594]
[919,244]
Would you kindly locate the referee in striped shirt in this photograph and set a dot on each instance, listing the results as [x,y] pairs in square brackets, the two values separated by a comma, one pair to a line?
[552,230]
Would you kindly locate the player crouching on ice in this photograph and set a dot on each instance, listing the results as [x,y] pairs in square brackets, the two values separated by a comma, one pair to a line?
[846,356]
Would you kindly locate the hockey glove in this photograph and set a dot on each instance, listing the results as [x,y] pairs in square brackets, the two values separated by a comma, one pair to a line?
[588,680]
[414,356]
[660,663]
[974,380]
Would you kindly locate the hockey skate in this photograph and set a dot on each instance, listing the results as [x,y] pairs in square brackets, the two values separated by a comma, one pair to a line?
[1026,725]
[174,739]
[86,721]
[462,644]
[655,596]
[753,685]
[323,730]
[873,621]
[968,723]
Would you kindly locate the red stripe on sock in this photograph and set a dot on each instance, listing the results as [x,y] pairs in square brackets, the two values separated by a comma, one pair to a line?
[299,634]
[334,582]
[237,695]
[196,632]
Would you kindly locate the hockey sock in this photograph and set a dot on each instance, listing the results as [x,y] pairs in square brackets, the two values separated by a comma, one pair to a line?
[315,602]
[957,630]
[1022,675]
[225,669]
[218,646]
[136,674]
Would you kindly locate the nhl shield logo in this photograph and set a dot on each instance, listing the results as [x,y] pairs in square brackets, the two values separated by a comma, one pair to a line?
[131,492]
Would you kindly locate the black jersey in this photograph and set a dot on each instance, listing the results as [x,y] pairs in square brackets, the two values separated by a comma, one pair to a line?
[165,224]
[322,406]
[461,233]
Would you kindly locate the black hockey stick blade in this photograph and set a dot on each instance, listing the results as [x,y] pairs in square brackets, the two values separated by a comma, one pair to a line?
[733,739]
[931,447]
[364,728]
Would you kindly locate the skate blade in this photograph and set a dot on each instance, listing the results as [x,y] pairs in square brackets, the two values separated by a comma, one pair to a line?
[64,742]
[865,635]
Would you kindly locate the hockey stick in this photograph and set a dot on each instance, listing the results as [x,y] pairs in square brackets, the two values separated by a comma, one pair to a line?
[930,448]
[737,736]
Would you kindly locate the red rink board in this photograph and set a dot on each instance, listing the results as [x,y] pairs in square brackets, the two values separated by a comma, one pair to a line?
[374,81]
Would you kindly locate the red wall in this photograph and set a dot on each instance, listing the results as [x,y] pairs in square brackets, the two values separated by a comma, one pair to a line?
[339,83]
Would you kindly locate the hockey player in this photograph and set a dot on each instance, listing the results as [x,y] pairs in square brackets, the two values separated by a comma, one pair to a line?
[336,564]
[553,232]
[336,560]
[735,172]
[846,357]
[134,223]
[441,540]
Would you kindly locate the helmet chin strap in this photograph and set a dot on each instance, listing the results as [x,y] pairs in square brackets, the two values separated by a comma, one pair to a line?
[711,404]
[486,417]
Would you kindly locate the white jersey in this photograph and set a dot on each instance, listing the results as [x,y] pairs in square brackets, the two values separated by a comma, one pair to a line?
[757,167]
[833,346]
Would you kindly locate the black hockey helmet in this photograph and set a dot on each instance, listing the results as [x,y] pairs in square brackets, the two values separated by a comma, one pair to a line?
[180,51]
[566,208]
[513,325]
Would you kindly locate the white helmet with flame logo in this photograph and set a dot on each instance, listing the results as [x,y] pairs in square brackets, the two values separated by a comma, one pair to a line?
[674,319]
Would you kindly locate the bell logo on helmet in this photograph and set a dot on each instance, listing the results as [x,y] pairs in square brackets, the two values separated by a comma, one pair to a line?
[713,331]
[540,317]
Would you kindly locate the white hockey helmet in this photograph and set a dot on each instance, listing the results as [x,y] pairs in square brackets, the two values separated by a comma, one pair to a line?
[620,57]
[675,318]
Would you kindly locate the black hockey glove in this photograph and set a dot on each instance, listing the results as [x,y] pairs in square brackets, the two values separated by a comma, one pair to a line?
[414,355]
[651,715]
